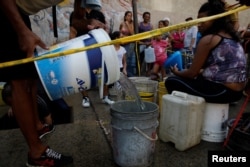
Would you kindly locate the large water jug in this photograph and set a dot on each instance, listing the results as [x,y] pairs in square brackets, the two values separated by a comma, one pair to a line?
[181,119]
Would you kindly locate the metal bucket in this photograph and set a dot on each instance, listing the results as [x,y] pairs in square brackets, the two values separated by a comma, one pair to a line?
[133,133]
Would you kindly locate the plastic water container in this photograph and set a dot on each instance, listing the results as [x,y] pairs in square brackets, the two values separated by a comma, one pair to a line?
[181,119]
[215,122]
[65,75]
[161,91]
[174,59]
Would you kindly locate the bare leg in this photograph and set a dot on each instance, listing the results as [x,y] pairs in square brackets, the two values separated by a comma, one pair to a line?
[105,95]
[154,74]
[105,90]
[163,72]
[48,120]
[155,68]
[24,106]
[84,93]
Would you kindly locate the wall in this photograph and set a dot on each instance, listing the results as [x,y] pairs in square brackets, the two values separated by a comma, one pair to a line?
[176,10]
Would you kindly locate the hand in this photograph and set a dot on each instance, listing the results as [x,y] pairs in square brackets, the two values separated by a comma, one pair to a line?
[174,69]
[28,42]
[124,72]
[94,24]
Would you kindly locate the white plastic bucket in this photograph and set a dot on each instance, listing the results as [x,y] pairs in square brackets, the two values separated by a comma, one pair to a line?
[215,122]
[62,76]
[133,133]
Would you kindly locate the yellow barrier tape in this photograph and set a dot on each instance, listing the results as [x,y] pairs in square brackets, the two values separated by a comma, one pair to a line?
[133,38]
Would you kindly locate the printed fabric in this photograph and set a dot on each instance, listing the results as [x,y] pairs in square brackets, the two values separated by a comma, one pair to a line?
[226,63]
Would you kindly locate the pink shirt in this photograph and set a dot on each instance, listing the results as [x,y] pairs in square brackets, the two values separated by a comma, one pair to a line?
[160,50]
[178,40]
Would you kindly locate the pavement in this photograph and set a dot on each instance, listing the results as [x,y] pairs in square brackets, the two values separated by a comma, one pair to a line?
[87,137]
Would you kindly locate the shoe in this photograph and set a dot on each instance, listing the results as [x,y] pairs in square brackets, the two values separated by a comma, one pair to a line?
[49,158]
[85,102]
[107,101]
[46,130]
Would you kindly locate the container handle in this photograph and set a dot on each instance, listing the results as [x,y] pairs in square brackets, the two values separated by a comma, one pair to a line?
[145,135]
[180,94]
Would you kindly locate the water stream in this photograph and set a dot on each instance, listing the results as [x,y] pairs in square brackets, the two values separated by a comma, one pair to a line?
[127,90]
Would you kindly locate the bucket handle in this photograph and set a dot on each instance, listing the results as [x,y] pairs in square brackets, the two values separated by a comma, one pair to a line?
[180,94]
[145,135]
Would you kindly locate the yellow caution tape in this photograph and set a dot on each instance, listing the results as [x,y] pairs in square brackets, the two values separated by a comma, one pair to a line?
[133,38]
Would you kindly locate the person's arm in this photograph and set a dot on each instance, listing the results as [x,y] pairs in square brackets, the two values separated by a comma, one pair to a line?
[120,29]
[72,32]
[124,62]
[85,25]
[204,46]
[130,28]
[194,36]
[26,38]
[191,44]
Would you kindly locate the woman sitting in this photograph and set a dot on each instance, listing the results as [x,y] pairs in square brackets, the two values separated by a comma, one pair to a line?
[218,70]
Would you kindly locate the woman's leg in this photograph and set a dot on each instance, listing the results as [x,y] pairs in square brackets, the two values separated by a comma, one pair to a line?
[212,92]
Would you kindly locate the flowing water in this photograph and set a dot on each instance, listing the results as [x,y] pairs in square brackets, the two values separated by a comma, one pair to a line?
[127,90]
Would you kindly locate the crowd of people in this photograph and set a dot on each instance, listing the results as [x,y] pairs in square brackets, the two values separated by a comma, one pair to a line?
[183,40]
[219,62]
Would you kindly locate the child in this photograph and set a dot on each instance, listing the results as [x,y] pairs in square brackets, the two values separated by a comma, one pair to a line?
[160,47]
[121,52]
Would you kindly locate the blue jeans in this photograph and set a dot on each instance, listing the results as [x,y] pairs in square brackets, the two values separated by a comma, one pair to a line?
[131,59]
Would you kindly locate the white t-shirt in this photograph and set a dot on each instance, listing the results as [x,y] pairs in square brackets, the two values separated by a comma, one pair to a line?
[189,34]
[120,54]
[33,6]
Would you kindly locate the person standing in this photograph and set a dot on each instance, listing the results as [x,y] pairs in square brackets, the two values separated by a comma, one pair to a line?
[145,26]
[78,26]
[177,40]
[18,42]
[89,10]
[166,23]
[190,37]
[121,52]
[126,29]
[160,47]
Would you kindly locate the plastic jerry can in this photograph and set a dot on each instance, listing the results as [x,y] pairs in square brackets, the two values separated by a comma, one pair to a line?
[181,119]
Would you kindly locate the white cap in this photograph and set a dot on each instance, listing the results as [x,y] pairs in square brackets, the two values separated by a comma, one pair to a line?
[166,19]
[92,4]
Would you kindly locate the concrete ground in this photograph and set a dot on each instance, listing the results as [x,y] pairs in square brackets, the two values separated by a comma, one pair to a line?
[87,138]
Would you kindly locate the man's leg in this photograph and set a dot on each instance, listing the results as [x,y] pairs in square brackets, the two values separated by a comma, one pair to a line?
[24,106]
